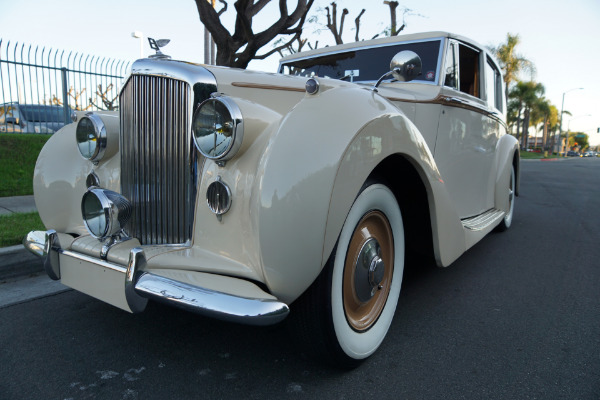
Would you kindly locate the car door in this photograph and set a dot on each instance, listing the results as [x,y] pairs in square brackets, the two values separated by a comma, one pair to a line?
[467,132]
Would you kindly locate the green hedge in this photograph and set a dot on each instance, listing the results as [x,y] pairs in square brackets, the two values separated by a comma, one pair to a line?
[18,154]
[14,227]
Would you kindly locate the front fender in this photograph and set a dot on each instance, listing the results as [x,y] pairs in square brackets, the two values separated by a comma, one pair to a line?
[59,179]
[313,169]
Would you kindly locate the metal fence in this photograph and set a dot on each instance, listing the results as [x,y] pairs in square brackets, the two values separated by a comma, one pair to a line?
[39,88]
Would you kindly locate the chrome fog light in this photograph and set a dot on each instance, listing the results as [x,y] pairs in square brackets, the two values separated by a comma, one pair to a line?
[218,128]
[218,197]
[91,137]
[104,212]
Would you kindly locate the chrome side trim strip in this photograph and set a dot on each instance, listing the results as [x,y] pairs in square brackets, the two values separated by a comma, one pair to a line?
[251,85]
[93,260]
[211,303]
[483,221]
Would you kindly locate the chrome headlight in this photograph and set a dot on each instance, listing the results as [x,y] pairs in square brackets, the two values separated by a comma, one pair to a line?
[104,212]
[218,128]
[91,137]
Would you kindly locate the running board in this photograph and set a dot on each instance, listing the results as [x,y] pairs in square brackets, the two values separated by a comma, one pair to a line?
[483,221]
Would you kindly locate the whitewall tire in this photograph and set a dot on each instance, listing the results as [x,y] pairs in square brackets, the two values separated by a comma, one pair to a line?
[347,312]
[507,220]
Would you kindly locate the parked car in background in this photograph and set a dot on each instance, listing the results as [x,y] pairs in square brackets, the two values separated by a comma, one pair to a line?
[32,118]
[246,196]
[590,154]
[572,153]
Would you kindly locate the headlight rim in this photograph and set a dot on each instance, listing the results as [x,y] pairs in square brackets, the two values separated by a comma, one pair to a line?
[106,209]
[238,128]
[111,210]
[99,133]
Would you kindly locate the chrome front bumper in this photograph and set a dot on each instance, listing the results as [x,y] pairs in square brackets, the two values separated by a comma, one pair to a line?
[141,285]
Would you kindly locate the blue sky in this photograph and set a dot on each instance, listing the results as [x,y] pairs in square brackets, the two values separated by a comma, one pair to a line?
[561,38]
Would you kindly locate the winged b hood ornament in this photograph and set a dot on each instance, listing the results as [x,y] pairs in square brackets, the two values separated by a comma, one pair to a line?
[156,45]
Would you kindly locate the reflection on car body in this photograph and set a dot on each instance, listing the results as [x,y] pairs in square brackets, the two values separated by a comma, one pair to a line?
[246,196]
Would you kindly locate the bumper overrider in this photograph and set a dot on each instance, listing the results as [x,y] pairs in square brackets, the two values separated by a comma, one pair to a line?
[130,286]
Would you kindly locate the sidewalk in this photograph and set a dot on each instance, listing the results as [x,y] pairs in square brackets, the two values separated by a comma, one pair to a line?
[17,204]
[15,261]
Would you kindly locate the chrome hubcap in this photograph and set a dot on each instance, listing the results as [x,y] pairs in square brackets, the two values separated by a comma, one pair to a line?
[369,270]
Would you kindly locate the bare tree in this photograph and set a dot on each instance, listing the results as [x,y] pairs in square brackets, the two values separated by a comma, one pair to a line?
[393,5]
[239,48]
[332,24]
[109,104]
[75,96]
[357,23]
[393,30]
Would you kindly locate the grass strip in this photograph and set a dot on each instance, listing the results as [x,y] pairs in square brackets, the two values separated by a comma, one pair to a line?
[14,227]
[18,154]
[531,155]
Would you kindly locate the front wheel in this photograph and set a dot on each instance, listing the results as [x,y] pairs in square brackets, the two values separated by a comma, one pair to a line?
[347,312]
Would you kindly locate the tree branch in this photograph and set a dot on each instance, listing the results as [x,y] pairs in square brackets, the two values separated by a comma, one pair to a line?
[332,22]
[210,19]
[393,5]
[256,8]
[357,23]
[283,46]
[222,10]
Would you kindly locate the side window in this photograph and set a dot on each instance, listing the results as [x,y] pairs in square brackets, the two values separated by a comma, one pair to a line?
[493,85]
[451,66]
[468,60]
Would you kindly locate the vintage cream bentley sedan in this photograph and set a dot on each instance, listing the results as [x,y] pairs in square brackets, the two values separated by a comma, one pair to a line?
[243,195]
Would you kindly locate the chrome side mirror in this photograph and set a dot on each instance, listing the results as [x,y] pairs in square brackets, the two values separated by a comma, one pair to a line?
[406,66]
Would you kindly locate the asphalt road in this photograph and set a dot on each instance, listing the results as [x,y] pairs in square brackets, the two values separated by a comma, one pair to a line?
[516,317]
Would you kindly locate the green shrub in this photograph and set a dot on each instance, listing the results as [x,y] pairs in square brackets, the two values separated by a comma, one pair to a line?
[14,227]
[18,154]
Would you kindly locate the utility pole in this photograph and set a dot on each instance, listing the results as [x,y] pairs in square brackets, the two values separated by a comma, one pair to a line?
[562,110]
[209,43]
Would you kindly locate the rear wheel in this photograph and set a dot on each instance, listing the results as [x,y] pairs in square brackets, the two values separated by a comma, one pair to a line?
[347,312]
[507,221]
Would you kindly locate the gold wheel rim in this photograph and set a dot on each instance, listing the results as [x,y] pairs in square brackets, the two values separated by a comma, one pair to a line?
[361,312]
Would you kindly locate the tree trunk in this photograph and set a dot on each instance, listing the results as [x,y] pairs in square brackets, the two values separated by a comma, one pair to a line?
[526,128]
[545,134]
[519,125]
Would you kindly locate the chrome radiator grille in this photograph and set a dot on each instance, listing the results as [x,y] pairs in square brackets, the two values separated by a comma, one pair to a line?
[158,159]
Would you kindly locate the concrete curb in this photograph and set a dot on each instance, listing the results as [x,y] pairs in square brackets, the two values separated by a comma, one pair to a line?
[16,262]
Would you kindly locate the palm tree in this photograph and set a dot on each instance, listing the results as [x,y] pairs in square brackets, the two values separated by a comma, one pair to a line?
[524,95]
[512,63]
[540,114]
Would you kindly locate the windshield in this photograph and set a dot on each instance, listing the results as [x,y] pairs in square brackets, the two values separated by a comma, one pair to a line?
[40,113]
[367,64]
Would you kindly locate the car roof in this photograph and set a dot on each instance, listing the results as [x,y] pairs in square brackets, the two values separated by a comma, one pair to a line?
[378,42]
